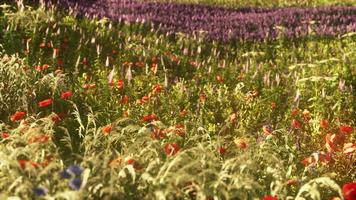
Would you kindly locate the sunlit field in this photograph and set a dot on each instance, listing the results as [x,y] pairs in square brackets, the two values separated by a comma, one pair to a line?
[114,99]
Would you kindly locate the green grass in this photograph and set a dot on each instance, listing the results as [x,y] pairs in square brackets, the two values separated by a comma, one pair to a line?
[259,88]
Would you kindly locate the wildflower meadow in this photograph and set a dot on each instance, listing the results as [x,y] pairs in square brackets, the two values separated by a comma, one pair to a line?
[178,99]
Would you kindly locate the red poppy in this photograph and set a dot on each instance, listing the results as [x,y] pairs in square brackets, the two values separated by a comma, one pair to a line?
[273,105]
[202,97]
[120,84]
[31,140]
[126,63]
[66,95]
[130,161]
[296,124]
[149,118]
[349,191]
[39,139]
[22,163]
[308,161]
[17,116]
[144,99]
[157,89]
[269,197]
[324,123]
[34,164]
[295,112]
[171,149]
[240,143]
[292,182]
[45,66]
[5,135]
[345,129]
[322,157]
[38,68]
[107,129]
[43,138]
[134,164]
[41,68]
[47,160]
[45,103]
[126,113]
[306,116]
[325,157]
[125,99]
[222,150]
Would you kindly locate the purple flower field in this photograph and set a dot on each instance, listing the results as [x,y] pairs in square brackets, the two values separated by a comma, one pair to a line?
[224,24]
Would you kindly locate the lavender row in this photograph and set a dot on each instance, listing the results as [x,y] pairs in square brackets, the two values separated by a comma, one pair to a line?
[221,23]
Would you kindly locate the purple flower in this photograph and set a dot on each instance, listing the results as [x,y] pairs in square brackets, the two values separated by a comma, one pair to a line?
[75,184]
[65,174]
[39,191]
[256,24]
[75,169]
